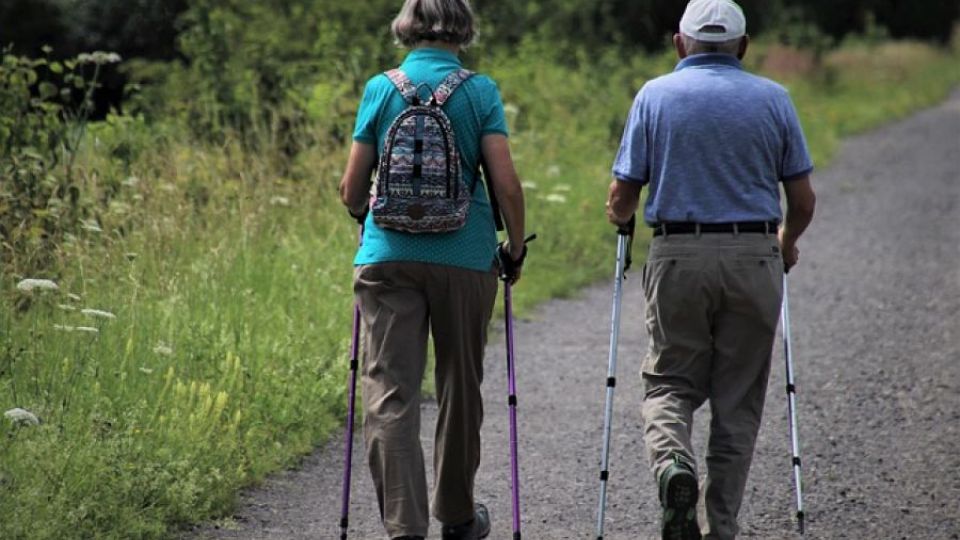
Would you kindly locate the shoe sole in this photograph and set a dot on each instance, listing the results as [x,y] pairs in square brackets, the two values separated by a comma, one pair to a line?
[680,519]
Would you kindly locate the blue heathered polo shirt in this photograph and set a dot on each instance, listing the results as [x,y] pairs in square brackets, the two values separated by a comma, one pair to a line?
[475,110]
[713,142]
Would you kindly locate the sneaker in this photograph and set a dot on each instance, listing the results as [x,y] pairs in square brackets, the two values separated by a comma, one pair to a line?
[678,496]
[476,528]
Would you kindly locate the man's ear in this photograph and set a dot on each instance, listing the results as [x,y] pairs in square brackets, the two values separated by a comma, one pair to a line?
[744,42]
[678,44]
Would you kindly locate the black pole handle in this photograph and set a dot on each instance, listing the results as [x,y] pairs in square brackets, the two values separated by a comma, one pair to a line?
[627,229]
[509,266]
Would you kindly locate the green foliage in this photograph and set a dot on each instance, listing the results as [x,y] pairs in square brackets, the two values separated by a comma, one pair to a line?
[40,197]
[265,69]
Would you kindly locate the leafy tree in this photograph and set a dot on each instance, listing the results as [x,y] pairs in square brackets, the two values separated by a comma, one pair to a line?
[927,19]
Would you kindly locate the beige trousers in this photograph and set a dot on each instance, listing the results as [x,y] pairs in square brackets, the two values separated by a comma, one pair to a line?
[713,305]
[400,303]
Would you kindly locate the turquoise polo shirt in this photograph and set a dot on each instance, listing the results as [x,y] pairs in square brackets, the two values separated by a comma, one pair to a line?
[713,142]
[475,110]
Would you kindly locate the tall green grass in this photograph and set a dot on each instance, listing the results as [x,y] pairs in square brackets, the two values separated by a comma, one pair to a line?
[231,290]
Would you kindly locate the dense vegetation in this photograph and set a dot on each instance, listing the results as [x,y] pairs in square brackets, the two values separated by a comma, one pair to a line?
[196,338]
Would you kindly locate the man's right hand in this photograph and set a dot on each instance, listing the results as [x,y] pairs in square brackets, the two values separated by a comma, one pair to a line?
[801,202]
[789,252]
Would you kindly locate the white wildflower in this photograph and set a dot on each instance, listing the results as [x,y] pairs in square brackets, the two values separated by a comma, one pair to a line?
[553,170]
[29,284]
[510,109]
[561,187]
[527,184]
[98,57]
[131,181]
[22,416]
[66,307]
[555,198]
[145,370]
[98,313]
[67,328]
[163,349]
[74,297]
[278,200]
[91,226]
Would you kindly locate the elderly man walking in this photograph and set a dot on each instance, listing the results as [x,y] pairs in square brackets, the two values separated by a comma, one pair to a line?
[714,144]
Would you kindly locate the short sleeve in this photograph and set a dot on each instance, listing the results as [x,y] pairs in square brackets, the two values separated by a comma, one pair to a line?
[365,130]
[796,160]
[494,119]
[632,159]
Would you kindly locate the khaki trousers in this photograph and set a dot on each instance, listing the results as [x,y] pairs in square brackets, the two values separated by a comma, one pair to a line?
[713,305]
[400,302]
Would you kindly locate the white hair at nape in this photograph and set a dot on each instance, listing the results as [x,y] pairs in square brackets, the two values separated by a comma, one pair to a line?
[448,21]
[695,46]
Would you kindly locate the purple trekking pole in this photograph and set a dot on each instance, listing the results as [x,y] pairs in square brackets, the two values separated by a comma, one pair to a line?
[351,409]
[505,274]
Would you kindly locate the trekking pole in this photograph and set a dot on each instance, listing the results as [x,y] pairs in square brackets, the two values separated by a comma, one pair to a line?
[791,403]
[624,243]
[512,400]
[351,408]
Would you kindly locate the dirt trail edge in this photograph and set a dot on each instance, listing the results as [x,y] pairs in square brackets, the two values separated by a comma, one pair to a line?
[876,334]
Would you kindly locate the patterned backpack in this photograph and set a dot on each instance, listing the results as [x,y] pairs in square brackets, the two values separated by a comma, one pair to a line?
[420,187]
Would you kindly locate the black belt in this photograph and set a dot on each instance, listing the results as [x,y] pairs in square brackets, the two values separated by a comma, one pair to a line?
[685,227]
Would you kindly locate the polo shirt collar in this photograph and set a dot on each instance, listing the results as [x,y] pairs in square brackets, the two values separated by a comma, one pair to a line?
[427,53]
[709,59]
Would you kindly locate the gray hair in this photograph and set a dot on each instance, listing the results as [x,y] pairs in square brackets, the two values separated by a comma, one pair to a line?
[695,46]
[447,21]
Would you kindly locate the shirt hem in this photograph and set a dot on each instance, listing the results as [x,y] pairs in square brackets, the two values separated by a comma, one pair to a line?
[794,176]
[485,269]
[625,178]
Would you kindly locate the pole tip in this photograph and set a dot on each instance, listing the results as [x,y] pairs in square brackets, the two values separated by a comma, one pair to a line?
[800,521]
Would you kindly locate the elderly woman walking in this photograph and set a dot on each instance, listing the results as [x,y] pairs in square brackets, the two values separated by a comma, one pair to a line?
[427,266]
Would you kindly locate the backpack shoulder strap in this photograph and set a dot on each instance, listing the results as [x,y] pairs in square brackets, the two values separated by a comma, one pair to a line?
[491,196]
[449,84]
[403,84]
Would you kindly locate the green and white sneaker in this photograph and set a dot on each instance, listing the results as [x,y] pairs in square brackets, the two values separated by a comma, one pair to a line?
[678,496]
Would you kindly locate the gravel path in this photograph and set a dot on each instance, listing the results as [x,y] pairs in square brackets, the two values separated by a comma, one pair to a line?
[875,304]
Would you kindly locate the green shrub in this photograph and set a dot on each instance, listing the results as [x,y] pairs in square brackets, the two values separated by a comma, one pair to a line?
[41,199]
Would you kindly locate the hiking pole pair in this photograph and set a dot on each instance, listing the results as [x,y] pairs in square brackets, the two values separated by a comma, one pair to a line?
[791,403]
[624,258]
[507,266]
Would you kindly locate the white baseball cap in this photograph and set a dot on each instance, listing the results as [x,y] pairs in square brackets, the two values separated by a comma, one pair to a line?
[713,20]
